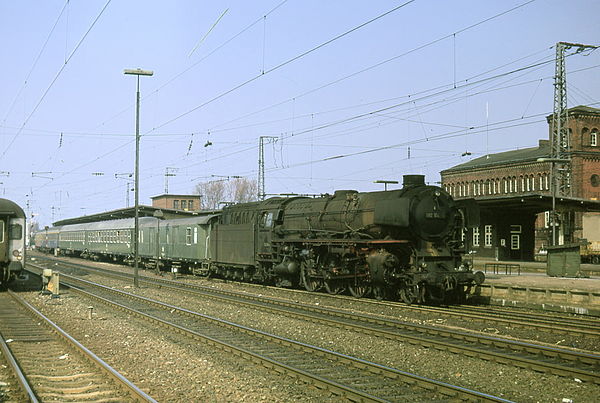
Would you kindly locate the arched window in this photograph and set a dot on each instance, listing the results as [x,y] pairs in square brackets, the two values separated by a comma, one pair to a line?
[594,138]
[522,183]
[505,185]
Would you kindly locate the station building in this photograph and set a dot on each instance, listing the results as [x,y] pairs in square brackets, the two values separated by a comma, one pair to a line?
[177,202]
[514,192]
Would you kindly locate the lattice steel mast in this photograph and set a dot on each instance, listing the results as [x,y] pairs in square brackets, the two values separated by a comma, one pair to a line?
[561,140]
[261,165]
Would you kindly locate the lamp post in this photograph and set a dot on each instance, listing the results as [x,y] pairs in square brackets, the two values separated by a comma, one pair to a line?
[136,225]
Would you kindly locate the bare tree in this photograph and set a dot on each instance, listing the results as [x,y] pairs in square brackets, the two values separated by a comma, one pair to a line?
[212,193]
[238,190]
[243,190]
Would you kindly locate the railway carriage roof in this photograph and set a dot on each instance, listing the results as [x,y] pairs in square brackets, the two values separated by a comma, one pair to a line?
[201,220]
[9,207]
[124,223]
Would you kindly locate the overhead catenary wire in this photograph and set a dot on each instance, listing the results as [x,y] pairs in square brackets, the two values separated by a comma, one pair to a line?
[181,73]
[461,30]
[370,114]
[35,62]
[371,67]
[282,64]
[54,80]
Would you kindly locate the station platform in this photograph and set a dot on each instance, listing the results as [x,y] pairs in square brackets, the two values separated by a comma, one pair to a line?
[526,284]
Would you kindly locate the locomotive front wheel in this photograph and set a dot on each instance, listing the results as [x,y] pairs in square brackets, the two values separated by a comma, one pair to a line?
[310,283]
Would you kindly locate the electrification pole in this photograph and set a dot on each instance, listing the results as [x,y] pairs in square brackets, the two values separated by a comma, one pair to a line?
[261,165]
[169,171]
[560,141]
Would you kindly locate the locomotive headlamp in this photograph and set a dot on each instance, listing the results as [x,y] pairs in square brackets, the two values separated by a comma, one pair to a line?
[437,193]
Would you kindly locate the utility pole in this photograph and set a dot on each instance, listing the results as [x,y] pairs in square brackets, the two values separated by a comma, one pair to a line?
[261,165]
[560,140]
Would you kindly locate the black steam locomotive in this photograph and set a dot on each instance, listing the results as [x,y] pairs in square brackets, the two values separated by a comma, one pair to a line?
[403,244]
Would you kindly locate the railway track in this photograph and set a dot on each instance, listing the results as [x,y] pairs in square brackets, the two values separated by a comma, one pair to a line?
[558,361]
[340,374]
[49,365]
[555,323]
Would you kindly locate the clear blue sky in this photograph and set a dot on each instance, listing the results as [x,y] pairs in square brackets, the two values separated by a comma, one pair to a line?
[345,114]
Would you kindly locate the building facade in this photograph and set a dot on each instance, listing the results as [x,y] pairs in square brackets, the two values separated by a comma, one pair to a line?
[177,202]
[514,190]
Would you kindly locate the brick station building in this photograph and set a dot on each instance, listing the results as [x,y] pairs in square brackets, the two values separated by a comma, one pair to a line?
[514,192]
[177,202]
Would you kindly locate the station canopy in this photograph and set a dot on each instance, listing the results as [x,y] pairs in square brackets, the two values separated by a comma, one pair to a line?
[143,211]
[537,203]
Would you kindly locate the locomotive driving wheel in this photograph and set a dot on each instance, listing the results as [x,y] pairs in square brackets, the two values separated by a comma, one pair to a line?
[409,294]
[310,282]
[333,286]
[358,290]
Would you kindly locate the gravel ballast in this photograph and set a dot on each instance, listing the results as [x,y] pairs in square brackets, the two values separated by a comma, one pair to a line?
[171,368]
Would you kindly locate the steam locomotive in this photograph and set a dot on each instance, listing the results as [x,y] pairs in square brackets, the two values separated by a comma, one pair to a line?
[402,244]
[12,241]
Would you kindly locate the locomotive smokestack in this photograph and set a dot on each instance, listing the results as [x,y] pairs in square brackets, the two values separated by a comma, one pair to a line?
[413,180]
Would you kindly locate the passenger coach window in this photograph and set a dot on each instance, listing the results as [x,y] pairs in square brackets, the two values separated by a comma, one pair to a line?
[188,236]
[1,231]
[15,231]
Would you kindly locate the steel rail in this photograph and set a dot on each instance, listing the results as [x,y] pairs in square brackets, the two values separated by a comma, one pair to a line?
[14,366]
[481,345]
[501,350]
[135,392]
[333,386]
[584,327]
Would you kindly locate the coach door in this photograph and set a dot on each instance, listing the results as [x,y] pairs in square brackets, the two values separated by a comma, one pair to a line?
[3,239]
